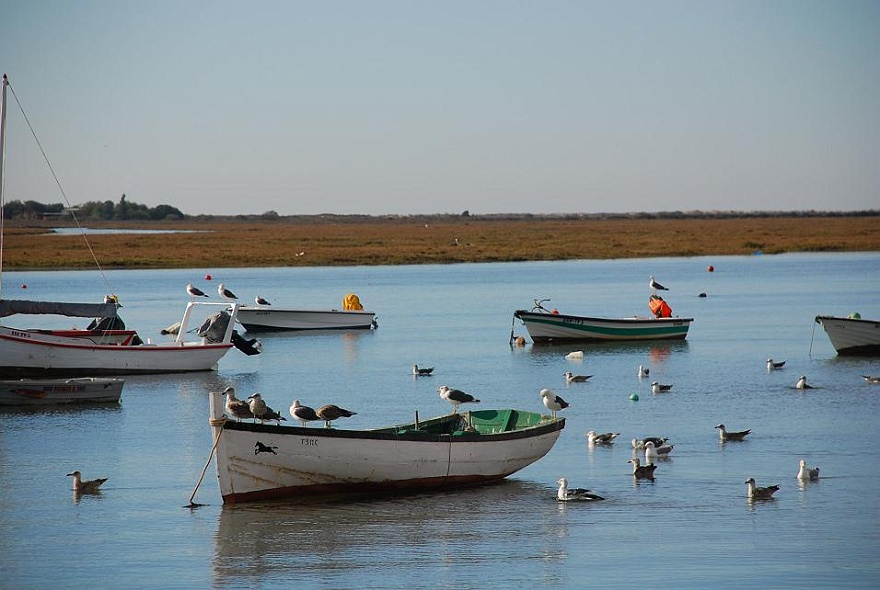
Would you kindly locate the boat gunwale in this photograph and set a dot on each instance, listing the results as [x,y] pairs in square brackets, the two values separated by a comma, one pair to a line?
[519,313]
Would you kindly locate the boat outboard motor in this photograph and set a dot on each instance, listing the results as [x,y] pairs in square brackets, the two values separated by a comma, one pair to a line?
[214,328]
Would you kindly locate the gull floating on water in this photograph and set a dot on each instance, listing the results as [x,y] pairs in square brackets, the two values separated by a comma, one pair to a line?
[225,293]
[570,378]
[330,412]
[772,365]
[643,372]
[236,408]
[422,371]
[655,285]
[456,397]
[756,493]
[802,383]
[85,487]
[303,413]
[194,291]
[553,402]
[725,435]
[657,387]
[639,443]
[871,379]
[605,438]
[804,472]
[260,301]
[567,494]
[653,453]
[642,471]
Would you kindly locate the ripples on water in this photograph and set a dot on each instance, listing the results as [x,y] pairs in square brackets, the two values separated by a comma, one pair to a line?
[692,527]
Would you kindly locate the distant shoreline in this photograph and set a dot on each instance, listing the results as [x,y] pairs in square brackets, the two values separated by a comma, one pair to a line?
[345,240]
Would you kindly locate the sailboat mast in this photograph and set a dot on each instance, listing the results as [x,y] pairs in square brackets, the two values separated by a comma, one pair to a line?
[2,168]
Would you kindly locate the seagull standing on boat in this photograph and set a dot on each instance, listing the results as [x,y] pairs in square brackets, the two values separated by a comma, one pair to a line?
[802,383]
[657,387]
[236,408]
[303,413]
[567,494]
[773,365]
[655,286]
[226,293]
[571,378]
[456,397]
[260,301]
[330,412]
[194,291]
[86,487]
[642,471]
[422,371]
[804,472]
[553,402]
[725,435]
[756,493]
[606,438]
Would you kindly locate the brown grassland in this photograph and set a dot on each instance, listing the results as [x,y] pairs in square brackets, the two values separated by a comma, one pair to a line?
[329,241]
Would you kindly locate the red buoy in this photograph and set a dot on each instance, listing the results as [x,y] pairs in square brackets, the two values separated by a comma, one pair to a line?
[208,277]
[23,286]
[711,268]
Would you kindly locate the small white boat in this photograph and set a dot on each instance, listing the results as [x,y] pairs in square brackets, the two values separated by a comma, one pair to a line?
[852,335]
[559,327]
[269,319]
[45,392]
[263,461]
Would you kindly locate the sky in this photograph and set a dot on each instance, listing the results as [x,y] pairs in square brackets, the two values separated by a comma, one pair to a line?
[423,107]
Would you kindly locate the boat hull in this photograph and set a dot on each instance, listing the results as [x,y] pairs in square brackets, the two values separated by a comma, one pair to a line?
[852,336]
[547,327]
[264,319]
[48,392]
[262,461]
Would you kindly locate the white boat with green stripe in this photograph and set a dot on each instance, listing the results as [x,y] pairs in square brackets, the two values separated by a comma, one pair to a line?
[546,327]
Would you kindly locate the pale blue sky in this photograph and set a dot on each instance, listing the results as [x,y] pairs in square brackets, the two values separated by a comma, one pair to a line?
[407,107]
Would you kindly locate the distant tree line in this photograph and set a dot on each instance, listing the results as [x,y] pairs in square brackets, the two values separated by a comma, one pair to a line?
[94,210]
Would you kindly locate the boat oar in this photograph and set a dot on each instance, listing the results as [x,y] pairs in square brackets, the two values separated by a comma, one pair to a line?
[219,423]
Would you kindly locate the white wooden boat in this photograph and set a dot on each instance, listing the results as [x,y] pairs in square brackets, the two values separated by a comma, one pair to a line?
[852,335]
[546,327]
[266,319]
[46,392]
[262,461]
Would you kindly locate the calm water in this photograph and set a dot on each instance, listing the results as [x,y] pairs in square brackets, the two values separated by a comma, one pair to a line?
[691,528]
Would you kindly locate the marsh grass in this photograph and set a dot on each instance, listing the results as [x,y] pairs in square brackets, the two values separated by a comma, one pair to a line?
[230,243]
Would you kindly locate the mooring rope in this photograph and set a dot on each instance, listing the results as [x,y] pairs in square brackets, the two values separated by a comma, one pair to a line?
[213,422]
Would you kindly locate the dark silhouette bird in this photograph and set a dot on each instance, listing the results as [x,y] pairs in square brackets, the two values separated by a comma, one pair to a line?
[756,493]
[86,487]
[330,412]
[456,397]
[725,435]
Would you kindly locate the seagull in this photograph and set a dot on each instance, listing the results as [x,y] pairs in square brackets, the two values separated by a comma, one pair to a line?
[871,379]
[642,471]
[330,412]
[771,364]
[194,291]
[594,438]
[653,453]
[422,372]
[553,402]
[456,397]
[237,408]
[657,387]
[802,383]
[804,472]
[655,285]
[302,413]
[569,378]
[726,436]
[260,301]
[567,494]
[643,372]
[86,487]
[257,406]
[756,493]
[226,293]
[658,441]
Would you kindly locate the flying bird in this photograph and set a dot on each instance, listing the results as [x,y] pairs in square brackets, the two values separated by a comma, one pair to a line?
[642,471]
[570,378]
[655,285]
[756,493]
[725,435]
[236,408]
[226,293]
[86,487]
[553,402]
[567,494]
[802,383]
[604,438]
[303,413]
[804,472]
[772,365]
[330,412]
[456,397]
[260,301]
[422,371]
[657,387]
[194,291]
